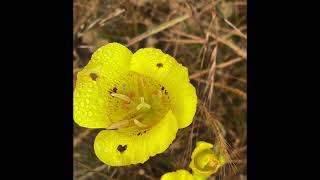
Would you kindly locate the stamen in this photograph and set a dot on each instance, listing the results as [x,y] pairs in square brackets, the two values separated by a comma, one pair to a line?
[159,93]
[120,124]
[121,96]
[137,88]
[142,88]
[139,116]
[139,124]
[212,164]
[124,123]
[143,104]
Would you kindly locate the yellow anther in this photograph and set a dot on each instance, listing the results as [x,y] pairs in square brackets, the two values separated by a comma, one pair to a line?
[125,123]
[118,125]
[121,96]
[139,124]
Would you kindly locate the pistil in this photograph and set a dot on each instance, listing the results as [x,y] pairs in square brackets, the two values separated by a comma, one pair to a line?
[143,104]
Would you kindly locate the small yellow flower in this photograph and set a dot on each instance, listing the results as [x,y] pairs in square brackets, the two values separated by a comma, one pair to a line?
[140,99]
[206,159]
[178,175]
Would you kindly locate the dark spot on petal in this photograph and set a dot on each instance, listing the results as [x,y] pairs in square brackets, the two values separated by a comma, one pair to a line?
[144,131]
[166,92]
[159,65]
[162,88]
[122,148]
[115,90]
[139,134]
[93,76]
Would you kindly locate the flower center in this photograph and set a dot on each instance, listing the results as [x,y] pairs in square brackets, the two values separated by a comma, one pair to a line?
[136,103]
[207,161]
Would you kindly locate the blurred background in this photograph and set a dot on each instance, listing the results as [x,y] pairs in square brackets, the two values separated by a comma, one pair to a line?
[208,37]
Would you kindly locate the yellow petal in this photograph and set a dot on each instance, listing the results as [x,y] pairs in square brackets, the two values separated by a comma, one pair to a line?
[173,76]
[205,162]
[89,105]
[106,66]
[177,175]
[200,147]
[117,148]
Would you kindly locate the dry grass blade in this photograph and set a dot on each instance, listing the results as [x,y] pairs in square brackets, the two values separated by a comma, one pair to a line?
[91,173]
[240,3]
[184,41]
[76,70]
[233,32]
[110,16]
[93,170]
[219,139]
[157,29]
[219,66]
[212,73]
[231,45]
[99,22]
[77,140]
[232,90]
[187,35]
[235,28]
[229,63]
[198,74]
[237,151]
[242,80]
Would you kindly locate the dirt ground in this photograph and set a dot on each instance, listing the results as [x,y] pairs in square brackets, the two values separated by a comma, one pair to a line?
[208,37]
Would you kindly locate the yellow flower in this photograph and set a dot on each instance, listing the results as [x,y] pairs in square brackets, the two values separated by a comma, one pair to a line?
[177,175]
[206,160]
[140,99]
